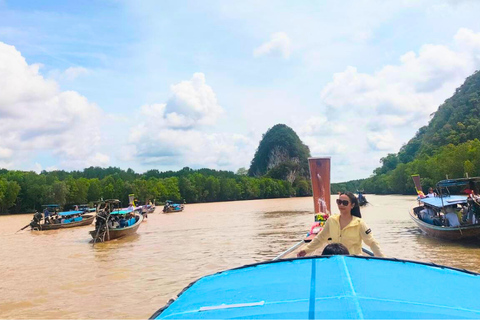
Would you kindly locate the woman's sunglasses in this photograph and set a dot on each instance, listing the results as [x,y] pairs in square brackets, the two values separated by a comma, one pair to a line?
[343,202]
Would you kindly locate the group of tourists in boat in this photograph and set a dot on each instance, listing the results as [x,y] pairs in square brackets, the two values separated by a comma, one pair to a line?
[52,218]
[452,211]
[113,222]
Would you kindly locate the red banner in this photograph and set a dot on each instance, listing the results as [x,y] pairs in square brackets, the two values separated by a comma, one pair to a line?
[320,176]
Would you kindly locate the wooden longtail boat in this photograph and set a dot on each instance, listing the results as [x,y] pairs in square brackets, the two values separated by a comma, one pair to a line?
[435,223]
[328,287]
[60,220]
[104,231]
[173,207]
[86,220]
[115,233]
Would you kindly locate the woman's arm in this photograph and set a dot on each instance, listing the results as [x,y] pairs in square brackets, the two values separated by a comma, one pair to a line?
[319,239]
[367,237]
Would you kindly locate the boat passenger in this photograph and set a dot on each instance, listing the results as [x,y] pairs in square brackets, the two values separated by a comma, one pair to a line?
[130,206]
[46,215]
[115,223]
[427,214]
[431,193]
[334,249]
[346,228]
[122,222]
[452,216]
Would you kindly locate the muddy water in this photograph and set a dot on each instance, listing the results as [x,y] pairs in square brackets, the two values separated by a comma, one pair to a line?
[59,274]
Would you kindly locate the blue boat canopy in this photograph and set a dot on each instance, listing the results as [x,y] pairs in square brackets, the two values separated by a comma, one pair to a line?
[457,182]
[69,213]
[334,287]
[439,202]
[126,211]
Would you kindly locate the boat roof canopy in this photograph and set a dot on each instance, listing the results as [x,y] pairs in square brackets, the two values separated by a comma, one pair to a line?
[457,182]
[439,202]
[334,287]
[108,201]
[124,211]
[51,205]
[69,213]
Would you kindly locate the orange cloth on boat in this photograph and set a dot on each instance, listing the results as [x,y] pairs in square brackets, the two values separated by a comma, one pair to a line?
[351,236]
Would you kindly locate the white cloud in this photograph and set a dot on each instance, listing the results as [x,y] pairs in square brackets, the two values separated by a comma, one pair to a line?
[69,74]
[402,96]
[5,153]
[279,43]
[36,116]
[74,72]
[193,103]
[380,140]
[171,133]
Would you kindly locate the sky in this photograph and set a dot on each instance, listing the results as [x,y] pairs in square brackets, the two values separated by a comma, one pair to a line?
[168,84]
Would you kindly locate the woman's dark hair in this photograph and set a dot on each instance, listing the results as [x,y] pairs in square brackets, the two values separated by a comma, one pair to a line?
[356,208]
[333,249]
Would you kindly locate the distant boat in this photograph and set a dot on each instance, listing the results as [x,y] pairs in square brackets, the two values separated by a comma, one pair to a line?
[362,200]
[85,207]
[172,207]
[431,213]
[113,223]
[330,287]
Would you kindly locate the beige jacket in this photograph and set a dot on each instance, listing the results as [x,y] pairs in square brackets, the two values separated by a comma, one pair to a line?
[351,236]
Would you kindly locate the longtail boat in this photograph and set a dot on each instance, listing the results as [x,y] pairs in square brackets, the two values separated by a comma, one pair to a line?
[113,222]
[447,215]
[173,207]
[60,220]
[329,287]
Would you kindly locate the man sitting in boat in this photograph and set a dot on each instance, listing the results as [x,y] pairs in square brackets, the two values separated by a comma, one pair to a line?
[451,216]
[427,214]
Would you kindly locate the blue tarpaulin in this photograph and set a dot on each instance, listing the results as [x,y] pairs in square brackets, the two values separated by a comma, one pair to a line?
[330,288]
[69,213]
[447,201]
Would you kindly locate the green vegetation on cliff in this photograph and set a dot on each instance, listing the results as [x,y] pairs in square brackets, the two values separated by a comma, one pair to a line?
[282,155]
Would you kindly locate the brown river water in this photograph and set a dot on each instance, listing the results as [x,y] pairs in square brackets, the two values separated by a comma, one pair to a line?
[58,274]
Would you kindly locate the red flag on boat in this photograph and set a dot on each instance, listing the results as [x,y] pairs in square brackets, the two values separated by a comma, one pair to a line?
[320,177]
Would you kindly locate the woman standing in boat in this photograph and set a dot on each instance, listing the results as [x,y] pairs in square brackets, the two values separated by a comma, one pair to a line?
[346,228]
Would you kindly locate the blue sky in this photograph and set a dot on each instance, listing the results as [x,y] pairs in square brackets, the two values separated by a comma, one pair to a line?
[167,84]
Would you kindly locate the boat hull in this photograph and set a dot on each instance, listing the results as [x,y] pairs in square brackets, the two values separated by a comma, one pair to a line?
[120,233]
[87,220]
[170,210]
[448,233]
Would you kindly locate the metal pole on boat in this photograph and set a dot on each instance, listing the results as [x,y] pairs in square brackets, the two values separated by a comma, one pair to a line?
[370,253]
[281,255]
